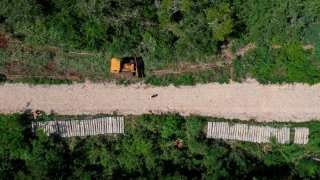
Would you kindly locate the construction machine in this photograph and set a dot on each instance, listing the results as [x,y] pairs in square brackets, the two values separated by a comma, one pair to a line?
[132,65]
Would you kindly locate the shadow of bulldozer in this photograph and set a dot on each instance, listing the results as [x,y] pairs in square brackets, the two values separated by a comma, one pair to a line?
[3,78]
[140,67]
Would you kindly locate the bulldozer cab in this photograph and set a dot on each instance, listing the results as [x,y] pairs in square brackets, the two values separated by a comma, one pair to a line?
[115,65]
[132,65]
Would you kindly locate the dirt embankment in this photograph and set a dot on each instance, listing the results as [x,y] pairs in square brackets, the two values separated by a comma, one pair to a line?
[248,100]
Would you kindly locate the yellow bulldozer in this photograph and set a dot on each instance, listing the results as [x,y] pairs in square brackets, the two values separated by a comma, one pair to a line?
[132,65]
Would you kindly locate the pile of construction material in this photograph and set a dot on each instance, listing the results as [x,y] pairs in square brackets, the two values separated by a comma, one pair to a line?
[253,133]
[70,128]
[301,135]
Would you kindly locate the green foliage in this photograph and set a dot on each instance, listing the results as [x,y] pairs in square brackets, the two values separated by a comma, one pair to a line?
[308,168]
[312,37]
[220,21]
[12,135]
[286,24]
[166,33]
[155,146]
[287,64]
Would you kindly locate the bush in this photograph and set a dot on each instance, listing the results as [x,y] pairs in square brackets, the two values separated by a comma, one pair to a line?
[153,146]
[287,64]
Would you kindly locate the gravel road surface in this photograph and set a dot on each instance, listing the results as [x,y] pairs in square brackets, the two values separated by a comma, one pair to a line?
[248,100]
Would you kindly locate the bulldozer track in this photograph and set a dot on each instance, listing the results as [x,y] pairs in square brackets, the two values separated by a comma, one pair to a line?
[190,69]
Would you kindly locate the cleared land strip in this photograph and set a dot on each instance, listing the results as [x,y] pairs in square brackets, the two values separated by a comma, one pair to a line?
[248,100]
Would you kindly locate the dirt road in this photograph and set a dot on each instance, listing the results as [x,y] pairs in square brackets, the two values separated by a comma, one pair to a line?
[248,100]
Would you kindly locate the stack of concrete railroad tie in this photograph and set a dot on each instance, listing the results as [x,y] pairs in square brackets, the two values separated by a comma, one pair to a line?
[106,125]
[253,133]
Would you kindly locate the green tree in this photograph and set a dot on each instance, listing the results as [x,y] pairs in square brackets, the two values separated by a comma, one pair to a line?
[219,19]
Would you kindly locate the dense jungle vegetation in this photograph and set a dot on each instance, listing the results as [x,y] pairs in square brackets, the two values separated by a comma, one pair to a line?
[153,146]
[166,33]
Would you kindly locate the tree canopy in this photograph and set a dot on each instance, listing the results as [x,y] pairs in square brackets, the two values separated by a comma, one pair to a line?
[155,146]
[173,31]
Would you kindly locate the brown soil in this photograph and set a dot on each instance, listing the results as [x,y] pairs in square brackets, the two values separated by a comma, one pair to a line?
[276,46]
[179,143]
[191,68]
[308,47]
[226,52]
[4,40]
[246,49]
[51,66]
